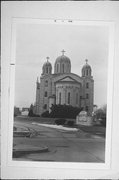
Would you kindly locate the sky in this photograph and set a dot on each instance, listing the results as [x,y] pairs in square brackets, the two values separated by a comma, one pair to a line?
[34,42]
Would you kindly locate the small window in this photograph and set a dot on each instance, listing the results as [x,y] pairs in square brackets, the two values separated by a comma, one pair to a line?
[87,108]
[63,68]
[68,97]
[46,83]
[60,98]
[83,73]
[46,93]
[87,96]
[87,85]
[57,68]
[86,72]
[45,106]
[47,70]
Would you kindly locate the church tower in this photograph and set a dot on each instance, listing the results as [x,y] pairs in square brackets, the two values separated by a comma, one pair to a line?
[88,88]
[37,97]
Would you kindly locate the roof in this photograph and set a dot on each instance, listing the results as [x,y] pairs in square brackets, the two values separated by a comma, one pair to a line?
[47,64]
[62,58]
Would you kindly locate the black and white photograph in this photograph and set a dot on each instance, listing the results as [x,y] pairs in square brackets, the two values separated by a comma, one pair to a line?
[60,105]
[59,93]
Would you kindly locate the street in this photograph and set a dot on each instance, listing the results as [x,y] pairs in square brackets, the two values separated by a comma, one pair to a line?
[63,146]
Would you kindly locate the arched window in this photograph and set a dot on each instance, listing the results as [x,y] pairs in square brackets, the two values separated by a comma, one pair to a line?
[63,68]
[47,70]
[57,67]
[87,85]
[60,98]
[76,98]
[86,72]
[46,83]
[68,97]
[46,93]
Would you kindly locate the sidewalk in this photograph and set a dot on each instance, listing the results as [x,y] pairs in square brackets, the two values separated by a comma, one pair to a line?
[22,149]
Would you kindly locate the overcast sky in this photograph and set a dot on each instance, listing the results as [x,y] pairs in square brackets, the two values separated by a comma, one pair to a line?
[34,42]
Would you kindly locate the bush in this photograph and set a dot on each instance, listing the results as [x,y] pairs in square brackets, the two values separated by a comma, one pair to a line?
[70,123]
[45,114]
[64,111]
[60,121]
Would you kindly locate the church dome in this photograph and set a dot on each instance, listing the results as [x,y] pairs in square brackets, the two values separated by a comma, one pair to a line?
[62,58]
[47,64]
[62,64]
[47,67]
[86,69]
[86,66]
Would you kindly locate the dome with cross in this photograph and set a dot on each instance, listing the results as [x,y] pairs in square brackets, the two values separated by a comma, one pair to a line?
[86,70]
[62,64]
[47,67]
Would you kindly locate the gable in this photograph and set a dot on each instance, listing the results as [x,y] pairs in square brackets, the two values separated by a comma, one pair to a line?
[67,79]
[72,78]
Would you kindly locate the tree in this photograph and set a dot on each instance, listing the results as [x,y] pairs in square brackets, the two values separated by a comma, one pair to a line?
[101,114]
[31,111]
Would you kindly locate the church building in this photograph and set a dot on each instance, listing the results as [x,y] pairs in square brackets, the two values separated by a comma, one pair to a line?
[63,86]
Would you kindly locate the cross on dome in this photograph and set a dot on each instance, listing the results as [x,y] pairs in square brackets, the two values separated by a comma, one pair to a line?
[47,58]
[63,51]
[86,61]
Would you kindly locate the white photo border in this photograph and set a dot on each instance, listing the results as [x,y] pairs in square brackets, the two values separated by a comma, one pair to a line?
[63,165]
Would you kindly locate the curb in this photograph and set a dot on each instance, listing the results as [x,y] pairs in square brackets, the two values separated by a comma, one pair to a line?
[21,152]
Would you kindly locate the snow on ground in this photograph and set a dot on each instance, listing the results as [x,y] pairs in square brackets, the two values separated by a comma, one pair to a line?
[56,127]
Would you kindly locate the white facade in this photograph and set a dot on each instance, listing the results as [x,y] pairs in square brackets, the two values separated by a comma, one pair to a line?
[64,87]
